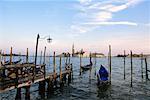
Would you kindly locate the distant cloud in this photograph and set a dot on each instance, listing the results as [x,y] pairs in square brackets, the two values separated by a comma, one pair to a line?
[100,13]
[111,23]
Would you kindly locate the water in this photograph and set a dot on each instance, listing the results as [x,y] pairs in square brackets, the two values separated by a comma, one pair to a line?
[84,87]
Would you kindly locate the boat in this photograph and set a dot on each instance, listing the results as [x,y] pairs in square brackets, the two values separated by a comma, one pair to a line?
[102,76]
[87,67]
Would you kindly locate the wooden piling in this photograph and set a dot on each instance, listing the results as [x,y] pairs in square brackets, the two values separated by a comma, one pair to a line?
[124,64]
[110,62]
[60,72]
[131,68]
[146,68]
[80,63]
[95,63]
[18,94]
[44,55]
[54,70]
[41,58]
[27,56]
[91,66]
[11,55]
[142,65]
[36,51]
[42,89]
[27,94]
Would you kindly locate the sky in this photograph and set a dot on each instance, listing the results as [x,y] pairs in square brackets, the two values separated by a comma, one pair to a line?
[89,24]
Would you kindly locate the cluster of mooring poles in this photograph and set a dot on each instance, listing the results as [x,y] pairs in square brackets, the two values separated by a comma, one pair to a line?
[131,61]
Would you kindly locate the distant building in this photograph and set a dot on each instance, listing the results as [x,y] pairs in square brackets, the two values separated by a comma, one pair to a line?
[98,55]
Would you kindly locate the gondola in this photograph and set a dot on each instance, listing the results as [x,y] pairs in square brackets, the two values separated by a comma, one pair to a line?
[87,67]
[102,76]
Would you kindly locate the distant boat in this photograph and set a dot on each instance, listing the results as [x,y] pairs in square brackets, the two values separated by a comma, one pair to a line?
[9,63]
[102,76]
[87,67]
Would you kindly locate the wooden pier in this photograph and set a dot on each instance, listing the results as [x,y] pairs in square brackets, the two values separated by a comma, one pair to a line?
[17,76]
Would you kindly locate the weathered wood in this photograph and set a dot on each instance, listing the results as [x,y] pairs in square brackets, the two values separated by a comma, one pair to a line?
[146,68]
[11,55]
[124,64]
[18,94]
[110,62]
[131,68]
[27,94]
[142,65]
[44,62]
[80,63]
[27,56]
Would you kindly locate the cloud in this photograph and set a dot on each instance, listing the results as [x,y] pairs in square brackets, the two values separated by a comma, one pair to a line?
[95,13]
[111,23]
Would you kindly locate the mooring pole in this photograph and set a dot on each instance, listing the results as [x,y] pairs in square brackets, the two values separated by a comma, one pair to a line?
[95,63]
[27,56]
[124,64]
[60,72]
[131,68]
[41,58]
[142,65]
[44,62]
[80,63]
[54,70]
[146,68]
[110,61]
[11,56]
[91,66]
[44,55]
[38,36]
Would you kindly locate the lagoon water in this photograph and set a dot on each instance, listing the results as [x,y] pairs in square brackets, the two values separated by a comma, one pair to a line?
[85,88]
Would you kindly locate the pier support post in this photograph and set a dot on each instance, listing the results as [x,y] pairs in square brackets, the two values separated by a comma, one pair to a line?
[18,94]
[27,94]
[42,89]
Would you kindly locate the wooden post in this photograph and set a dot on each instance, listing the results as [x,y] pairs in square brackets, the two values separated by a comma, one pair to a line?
[80,63]
[36,51]
[131,68]
[60,72]
[44,62]
[27,56]
[91,66]
[27,94]
[11,55]
[146,68]
[124,64]
[142,65]
[0,57]
[42,89]
[41,58]
[95,63]
[110,61]
[18,94]
[44,55]
[54,70]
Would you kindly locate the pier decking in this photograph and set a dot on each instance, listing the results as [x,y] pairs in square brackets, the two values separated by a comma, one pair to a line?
[25,74]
